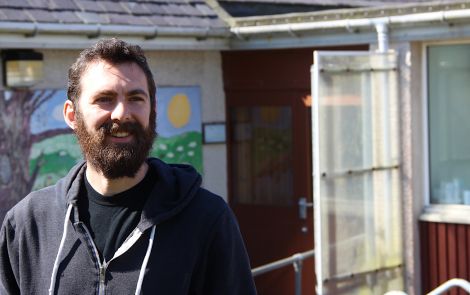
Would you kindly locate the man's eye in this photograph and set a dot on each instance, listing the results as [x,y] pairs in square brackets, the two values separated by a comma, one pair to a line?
[103,99]
[136,98]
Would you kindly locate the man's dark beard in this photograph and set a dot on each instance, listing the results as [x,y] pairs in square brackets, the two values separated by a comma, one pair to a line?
[116,160]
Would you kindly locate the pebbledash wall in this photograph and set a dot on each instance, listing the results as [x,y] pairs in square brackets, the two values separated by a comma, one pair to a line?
[171,69]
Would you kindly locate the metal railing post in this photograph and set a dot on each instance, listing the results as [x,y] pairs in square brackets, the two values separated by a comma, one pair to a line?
[298,273]
[295,260]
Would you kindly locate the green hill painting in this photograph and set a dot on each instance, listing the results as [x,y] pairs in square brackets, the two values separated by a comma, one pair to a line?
[37,152]
[60,153]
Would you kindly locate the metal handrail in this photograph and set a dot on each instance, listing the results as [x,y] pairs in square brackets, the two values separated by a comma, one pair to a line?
[282,262]
[295,260]
[442,288]
[451,284]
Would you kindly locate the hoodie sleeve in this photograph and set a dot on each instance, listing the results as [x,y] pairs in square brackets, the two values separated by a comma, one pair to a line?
[228,269]
[8,284]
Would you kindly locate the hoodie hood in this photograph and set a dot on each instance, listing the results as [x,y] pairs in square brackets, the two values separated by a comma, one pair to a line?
[175,186]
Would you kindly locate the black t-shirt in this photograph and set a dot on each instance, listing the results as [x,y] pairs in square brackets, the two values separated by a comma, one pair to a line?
[111,219]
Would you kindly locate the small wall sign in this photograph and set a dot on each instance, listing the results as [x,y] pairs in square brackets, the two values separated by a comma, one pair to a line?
[214,132]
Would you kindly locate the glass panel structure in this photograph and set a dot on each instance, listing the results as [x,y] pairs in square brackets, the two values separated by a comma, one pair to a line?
[449,123]
[356,173]
[261,154]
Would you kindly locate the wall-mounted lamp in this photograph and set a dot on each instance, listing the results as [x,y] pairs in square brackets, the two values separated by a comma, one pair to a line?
[22,68]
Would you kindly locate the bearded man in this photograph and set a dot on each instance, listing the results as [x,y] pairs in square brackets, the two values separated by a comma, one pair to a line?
[119,222]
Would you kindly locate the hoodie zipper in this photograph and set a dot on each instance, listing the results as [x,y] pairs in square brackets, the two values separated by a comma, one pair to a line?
[102,280]
[102,267]
[128,243]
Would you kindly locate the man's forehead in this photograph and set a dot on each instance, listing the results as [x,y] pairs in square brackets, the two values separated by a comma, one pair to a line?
[95,69]
[101,64]
[93,85]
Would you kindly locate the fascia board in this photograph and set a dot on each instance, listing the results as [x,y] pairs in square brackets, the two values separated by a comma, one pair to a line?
[428,32]
[78,42]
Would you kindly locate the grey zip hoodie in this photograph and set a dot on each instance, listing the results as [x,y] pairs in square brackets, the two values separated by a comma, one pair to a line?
[187,242]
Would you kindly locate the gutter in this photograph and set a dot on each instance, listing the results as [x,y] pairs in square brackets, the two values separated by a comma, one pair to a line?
[353,24]
[97,30]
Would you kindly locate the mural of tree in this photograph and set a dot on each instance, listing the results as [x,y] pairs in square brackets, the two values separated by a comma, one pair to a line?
[16,140]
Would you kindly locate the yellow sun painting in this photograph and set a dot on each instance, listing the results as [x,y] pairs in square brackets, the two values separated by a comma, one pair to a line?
[179,110]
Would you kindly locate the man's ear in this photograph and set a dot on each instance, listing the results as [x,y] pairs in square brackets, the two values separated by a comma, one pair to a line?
[69,114]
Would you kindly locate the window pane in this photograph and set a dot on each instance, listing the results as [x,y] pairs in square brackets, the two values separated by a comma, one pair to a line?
[261,154]
[449,123]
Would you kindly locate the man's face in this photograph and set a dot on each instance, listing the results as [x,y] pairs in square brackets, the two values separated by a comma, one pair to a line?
[112,118]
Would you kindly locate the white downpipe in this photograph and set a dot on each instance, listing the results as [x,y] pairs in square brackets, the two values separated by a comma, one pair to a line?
[382,37]
[382,118]
[350,24]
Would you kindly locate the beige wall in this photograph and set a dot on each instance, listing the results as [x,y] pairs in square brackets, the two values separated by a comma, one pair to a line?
[172,68]
[418,157]
[412,157]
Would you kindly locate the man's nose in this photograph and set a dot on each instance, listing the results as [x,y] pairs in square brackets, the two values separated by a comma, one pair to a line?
[120,112]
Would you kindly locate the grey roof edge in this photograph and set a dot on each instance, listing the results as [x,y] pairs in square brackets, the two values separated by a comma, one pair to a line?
[353,13]
[97,30]
[355,3]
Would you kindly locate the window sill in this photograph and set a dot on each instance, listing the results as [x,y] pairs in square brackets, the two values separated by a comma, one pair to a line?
[446,214]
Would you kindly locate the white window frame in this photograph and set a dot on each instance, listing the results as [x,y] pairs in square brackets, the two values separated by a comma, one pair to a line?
[447,213]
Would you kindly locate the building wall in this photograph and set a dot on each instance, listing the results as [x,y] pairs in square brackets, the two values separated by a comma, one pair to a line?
[411,121]
[444,254]
[171,68]
[444,236]
[416,159]
[436,250]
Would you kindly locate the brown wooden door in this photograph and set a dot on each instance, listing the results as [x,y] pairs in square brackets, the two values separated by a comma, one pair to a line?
[269,172]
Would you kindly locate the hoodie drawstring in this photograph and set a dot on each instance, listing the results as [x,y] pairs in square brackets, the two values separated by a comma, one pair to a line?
[144,263]
[61,247]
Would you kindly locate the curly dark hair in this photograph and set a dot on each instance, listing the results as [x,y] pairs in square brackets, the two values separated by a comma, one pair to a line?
[113,51]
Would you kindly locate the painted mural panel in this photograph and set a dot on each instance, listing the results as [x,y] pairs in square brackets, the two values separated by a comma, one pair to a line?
[54,155]
[179,126]
[37,148]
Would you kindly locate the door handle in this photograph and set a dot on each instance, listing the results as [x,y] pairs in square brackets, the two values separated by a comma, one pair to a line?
[303,205]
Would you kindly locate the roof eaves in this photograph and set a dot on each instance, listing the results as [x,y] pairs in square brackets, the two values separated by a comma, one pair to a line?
[353,13]
[95,30]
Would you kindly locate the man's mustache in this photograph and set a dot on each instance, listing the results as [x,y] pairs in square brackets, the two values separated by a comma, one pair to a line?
[113,126]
